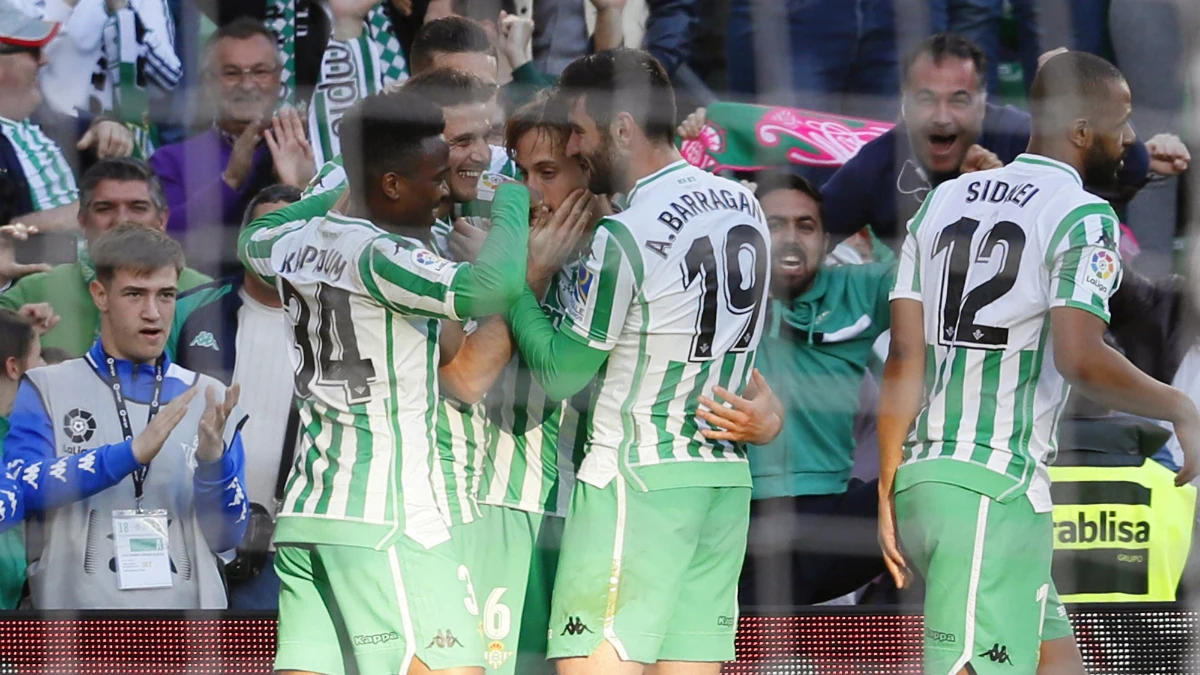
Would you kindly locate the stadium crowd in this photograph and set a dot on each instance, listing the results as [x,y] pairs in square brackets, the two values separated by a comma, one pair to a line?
[149,147]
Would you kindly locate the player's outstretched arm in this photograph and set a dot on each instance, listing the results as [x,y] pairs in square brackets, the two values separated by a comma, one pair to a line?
[561,364]
[1104,375]
[900,397]
[257,238]
[496,280]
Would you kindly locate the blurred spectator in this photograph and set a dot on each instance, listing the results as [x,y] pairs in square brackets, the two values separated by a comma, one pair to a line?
[352,68]
[669,31]
[210,178]
[813,528]
[73,474]
[37,185]
[837,56]
[20,351]
[949,128]
[111,56]
[302,30]
[232,330]
[1148,39]
[980,22]
[114,192]
[560,34]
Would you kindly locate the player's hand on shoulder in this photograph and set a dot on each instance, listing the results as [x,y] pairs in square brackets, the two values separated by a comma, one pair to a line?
[467,238]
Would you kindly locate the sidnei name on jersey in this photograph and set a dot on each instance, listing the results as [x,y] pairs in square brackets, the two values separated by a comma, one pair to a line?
[325,261]
[997,191]
[693,203]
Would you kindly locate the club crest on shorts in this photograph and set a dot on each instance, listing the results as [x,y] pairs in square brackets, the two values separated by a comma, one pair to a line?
[495,655]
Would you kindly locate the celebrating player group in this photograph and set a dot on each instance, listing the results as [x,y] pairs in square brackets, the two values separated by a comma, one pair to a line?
[523,439]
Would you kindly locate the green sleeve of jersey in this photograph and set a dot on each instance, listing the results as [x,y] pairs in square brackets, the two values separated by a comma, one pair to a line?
[257,239]
[1084,260]
[495,281]
[561,364]
[606,284]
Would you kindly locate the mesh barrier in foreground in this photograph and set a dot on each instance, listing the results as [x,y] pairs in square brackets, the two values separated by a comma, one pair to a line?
[1142,640]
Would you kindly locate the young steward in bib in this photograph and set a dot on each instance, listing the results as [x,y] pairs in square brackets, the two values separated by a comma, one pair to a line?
[1000,306]
[668,302]
[367,565]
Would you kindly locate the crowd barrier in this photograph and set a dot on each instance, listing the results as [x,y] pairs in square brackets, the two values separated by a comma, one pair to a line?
[1114,639]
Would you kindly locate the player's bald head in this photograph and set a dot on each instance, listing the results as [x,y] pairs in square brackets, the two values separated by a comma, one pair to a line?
[1076,86]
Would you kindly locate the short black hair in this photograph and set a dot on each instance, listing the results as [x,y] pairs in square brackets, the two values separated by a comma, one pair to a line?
[16,335]
[544,115]
[941,46]
[385,133]
[134,247]
[271,195]
[773,180]
[448,35]
[624,80]
[1070,86]
[123,170]
[448,88]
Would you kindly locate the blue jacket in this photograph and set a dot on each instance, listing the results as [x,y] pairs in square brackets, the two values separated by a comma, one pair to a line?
[31,443]
[883,187]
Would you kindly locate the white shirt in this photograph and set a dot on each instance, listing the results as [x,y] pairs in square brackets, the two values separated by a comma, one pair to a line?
[263,370]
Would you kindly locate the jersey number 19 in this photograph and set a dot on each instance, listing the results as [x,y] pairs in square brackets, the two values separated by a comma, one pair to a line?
[742,287]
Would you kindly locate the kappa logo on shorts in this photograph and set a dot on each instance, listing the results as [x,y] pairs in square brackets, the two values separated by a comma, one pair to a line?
[445,639]
[998,654]
[575,626]
[939,636]
[376,639]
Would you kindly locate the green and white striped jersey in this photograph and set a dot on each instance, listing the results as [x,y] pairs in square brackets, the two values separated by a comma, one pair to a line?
[534,443]
[51,183]
[365,309]
[675,287]
[989,255]
[460,433]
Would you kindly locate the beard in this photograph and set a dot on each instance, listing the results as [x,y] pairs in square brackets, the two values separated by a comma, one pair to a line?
[1099,169]
[602,167]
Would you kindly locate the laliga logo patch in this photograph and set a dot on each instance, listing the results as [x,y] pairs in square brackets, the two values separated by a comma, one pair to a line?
[79,425]
[1101,272]
[426,258]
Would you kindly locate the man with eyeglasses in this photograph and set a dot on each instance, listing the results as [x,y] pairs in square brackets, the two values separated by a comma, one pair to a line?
[210,178]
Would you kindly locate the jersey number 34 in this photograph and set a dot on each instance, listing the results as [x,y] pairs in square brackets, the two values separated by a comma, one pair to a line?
[335,328]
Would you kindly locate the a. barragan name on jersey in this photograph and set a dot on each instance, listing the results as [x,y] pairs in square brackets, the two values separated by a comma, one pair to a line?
[327,261]
[691,204]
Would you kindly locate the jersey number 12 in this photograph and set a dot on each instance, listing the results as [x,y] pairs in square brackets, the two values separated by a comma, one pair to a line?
[958,326]
[335,327]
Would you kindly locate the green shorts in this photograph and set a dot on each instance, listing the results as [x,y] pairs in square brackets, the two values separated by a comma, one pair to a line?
[653,573]
[987,571]
[352,609]
[515,553]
